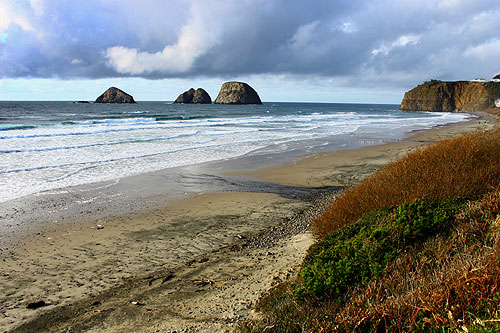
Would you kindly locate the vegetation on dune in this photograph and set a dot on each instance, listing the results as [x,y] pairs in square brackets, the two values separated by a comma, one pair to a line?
[420,259]
[437,281]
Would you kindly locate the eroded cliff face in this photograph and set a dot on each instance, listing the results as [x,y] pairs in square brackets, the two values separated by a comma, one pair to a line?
[451,96]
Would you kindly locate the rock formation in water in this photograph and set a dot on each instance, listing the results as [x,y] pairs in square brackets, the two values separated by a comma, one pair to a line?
[451,96]
[237,93]
[198,96]
[115,95]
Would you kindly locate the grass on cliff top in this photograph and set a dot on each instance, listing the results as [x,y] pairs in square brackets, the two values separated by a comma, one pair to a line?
[467,166]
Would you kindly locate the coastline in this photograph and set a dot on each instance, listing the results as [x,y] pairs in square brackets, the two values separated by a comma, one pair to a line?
[159,253]
[335,168]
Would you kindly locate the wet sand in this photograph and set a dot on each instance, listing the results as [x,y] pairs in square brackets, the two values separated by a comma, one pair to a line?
[63,263]
[196,264]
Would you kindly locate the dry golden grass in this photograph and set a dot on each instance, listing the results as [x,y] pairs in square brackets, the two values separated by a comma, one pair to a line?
[467,166]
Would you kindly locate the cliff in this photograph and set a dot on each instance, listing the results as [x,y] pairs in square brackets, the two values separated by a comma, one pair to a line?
[451,96]
[198,96]
[237,93]
[115,95]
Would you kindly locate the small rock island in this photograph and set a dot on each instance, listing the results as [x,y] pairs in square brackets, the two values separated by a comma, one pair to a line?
[453,96]
[237,93]
[198,96]
[115,96]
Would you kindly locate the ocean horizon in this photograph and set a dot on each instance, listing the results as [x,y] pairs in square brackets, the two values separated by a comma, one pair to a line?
[50,145]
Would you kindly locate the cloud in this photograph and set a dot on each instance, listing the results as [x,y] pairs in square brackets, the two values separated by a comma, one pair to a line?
[38,6]
[9,15]
[77,61]
[402,41]
[303,36]
[489,50]
[363,43]
[196,38]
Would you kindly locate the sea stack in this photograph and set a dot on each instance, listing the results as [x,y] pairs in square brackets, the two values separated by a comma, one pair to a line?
[237,93]
[198,96]
[115,95]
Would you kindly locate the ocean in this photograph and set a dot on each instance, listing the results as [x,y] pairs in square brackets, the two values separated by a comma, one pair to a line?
[51,145]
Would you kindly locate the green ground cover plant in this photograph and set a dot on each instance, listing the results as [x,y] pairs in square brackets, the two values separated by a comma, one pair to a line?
[355,254]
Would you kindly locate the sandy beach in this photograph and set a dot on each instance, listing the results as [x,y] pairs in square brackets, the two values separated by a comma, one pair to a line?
[183,264]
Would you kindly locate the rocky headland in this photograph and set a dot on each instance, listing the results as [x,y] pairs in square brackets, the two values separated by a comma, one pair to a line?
[237,93]
[452,96]
[198,96]
[115,95]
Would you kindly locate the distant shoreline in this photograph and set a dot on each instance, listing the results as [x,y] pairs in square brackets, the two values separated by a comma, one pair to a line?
[172,102]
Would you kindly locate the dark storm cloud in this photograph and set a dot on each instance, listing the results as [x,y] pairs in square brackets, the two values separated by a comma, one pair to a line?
[355,42]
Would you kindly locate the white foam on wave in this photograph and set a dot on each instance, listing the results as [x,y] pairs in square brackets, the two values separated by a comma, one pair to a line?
[114,121]
[110,143]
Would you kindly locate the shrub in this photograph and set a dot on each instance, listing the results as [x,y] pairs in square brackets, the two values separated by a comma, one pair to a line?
[346,261]
[418,219]
[467,166]
[355,254]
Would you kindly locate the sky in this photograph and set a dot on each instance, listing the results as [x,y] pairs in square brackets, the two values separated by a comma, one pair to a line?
[363,51]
